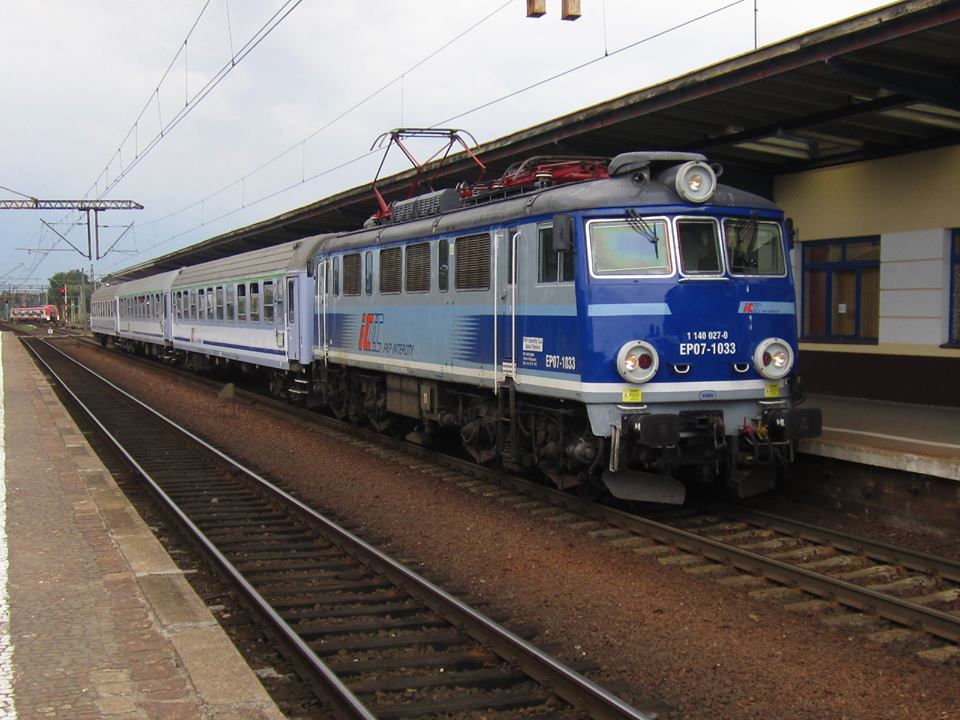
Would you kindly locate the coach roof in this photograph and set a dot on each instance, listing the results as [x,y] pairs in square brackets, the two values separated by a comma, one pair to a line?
[288,257]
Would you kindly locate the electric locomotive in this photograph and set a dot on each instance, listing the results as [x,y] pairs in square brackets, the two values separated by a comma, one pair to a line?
[629,325]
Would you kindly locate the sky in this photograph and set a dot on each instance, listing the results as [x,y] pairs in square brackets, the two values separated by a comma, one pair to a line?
[215,114]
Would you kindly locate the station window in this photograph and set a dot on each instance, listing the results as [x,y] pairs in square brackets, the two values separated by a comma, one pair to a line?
[473,262]
[268,301]
[841,290]
[417,269]
[556,266]
[391,265]
[955,288]
[254,302]
[242,302]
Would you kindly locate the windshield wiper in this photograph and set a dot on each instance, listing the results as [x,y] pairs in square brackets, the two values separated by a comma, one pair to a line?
[643,227]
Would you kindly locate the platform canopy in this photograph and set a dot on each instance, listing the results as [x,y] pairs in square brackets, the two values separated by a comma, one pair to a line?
[883,83]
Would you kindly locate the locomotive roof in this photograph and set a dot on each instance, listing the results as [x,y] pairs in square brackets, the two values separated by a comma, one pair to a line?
[615,192]
[289,256]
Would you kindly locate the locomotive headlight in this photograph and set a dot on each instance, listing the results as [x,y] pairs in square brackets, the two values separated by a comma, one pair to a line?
[773,358]
[637,361]
[696,181]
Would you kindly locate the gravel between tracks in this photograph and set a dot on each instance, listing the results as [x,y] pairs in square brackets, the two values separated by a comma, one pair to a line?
[707,650]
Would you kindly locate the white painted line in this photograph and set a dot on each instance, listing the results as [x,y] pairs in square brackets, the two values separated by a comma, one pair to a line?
[7,707]
[898,438]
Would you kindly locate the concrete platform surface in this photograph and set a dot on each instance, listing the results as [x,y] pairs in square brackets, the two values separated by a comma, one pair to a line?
[96,621]
[916,438]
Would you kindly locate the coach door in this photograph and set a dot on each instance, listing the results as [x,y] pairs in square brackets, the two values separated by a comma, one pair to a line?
[505,281]
[291,318]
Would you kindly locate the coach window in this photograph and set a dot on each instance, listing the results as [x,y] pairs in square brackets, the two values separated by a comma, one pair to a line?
[699,243]
[219,302]
[556,266]
[336,275]
[351,274]
[368,272]
[231,303]
[242,302]
[754,248]
[443,265]
[841,290]
[417,268]
[268,301]
[254,298]
[391,266]
[472,253]
[626,248]
[201,304]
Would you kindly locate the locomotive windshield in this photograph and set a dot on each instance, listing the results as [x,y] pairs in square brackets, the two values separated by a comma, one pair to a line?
[699,243]
[637,246]
[754,248]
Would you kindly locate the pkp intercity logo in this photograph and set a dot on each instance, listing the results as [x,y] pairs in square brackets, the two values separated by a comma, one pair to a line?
[370,324]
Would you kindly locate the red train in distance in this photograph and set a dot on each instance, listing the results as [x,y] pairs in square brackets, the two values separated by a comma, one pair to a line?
[40,314]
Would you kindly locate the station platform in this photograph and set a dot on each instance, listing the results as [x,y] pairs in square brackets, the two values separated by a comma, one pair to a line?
[922,439]
[96,620]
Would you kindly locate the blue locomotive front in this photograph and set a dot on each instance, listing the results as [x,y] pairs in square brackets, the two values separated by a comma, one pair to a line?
[688,333]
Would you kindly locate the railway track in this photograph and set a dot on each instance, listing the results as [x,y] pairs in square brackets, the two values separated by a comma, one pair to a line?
[372,637]
[891,594]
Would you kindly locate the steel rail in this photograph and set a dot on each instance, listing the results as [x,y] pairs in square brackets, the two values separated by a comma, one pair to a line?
[941,624]
[874,549]
[568,684]
[935,622]
[345,704]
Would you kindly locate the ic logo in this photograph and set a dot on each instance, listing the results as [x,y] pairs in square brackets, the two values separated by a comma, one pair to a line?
[370,332]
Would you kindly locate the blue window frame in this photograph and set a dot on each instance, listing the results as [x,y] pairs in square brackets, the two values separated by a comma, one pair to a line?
[954,338]
[841,290]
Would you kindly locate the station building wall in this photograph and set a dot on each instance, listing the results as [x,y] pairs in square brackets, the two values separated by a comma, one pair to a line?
[878,276]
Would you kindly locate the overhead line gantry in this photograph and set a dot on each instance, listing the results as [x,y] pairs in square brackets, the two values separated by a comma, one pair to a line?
[88,206]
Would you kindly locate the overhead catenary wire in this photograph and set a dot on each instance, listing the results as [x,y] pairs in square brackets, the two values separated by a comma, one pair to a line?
[245,204]
[236,58]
